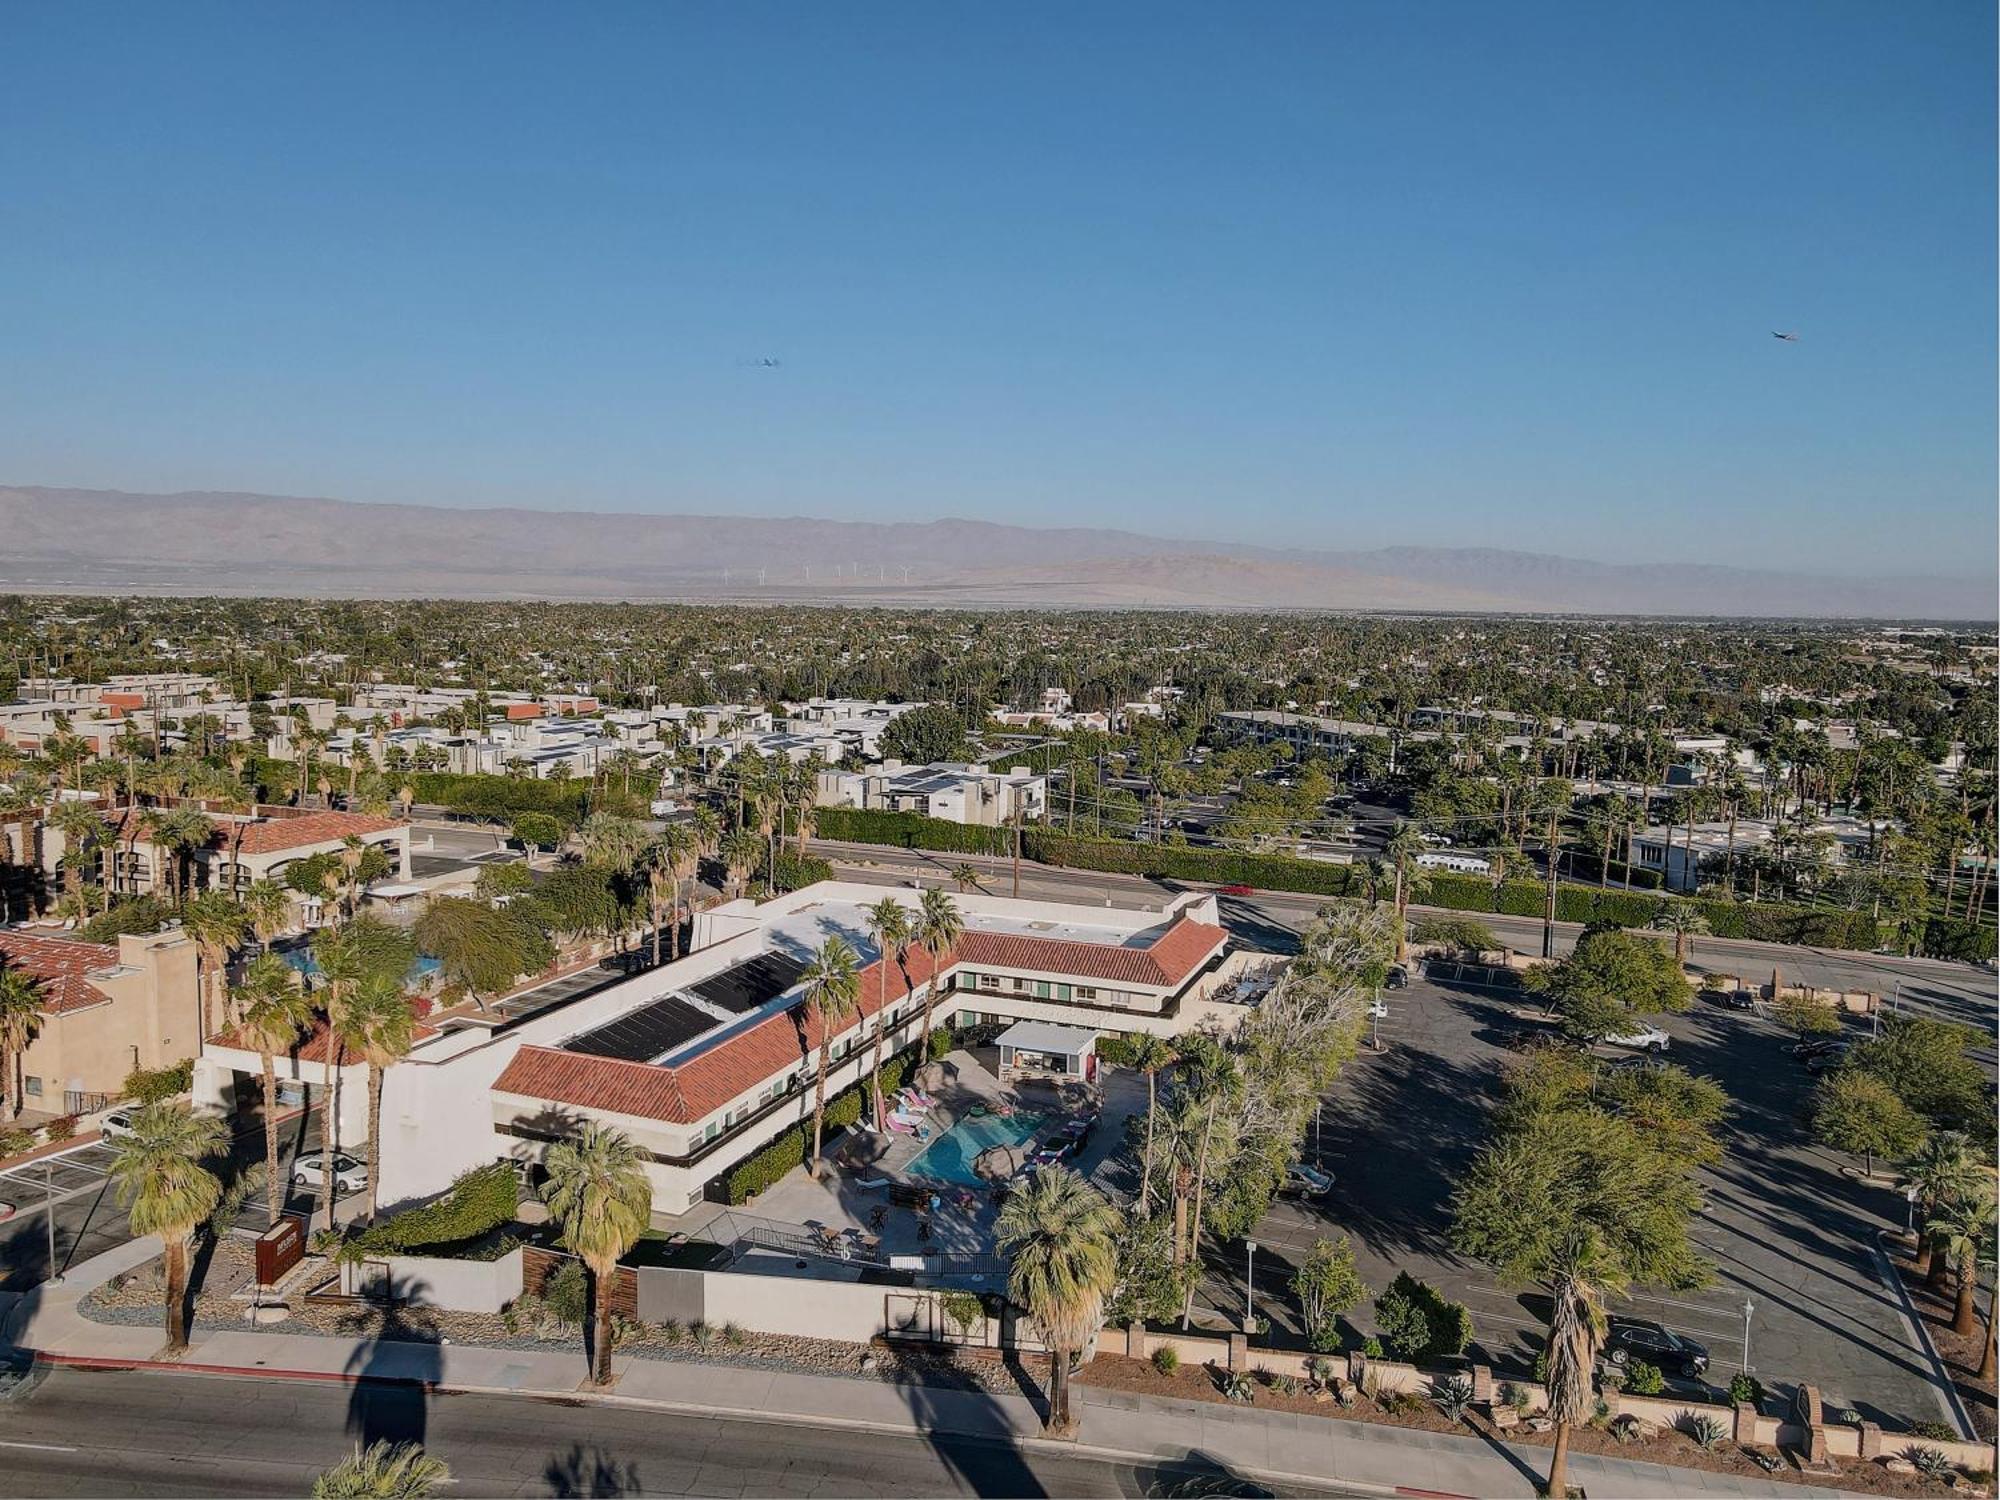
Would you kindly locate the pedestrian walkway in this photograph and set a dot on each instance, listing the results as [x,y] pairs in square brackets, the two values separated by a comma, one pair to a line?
[1277,1446]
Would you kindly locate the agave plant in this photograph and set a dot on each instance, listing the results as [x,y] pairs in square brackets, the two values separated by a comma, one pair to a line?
[1929,1462]
[1453,1397]
[1707,1430]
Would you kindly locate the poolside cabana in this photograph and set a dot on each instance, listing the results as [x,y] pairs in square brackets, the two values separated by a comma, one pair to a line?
[1039,1049]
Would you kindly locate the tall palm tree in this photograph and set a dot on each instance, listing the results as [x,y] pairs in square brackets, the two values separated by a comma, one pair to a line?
[832,993]
[1941,1171]
[890,926]
[385,1029]
[1960,1229]
[275,1012]
[348,955]
[939,927]
[1404,845]
[597,1188]
[20,1023]
[383,1471]
[1061,1241]
[610,840]
[1580,1274]
[160,1172]
[216,924]
[1150,1054]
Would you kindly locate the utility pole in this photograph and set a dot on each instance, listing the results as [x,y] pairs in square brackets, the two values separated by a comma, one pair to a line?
[49,1199]
[1016,820]
[1549,899]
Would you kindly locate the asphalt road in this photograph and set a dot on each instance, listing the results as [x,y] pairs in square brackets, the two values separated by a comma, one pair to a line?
[102,1433]
[1953,991]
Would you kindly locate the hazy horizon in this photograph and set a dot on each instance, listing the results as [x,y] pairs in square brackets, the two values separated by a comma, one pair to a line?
[1328,277]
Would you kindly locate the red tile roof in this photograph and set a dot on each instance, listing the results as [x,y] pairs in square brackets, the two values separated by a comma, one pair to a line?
[315,1048]
[272,835]
[690,1090]
[59,965]
[1181,949]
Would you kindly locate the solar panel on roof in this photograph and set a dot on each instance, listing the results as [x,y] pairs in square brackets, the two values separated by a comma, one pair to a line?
[648,1032]
[745,986]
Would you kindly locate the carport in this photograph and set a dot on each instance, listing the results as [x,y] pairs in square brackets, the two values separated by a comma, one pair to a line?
[1041,1049]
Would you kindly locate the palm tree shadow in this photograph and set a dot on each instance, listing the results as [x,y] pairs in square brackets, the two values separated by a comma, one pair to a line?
[395,1369]
[590,1472]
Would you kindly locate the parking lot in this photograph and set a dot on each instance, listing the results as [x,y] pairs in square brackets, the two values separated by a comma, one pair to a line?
[1788,1228]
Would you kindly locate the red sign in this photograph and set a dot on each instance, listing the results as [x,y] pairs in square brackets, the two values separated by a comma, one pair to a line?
[279,1248]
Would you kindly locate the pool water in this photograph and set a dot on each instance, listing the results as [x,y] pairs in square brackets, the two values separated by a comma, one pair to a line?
[949,1158]
[420,971]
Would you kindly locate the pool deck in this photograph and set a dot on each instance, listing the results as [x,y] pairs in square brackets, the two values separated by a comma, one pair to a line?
[963,1223]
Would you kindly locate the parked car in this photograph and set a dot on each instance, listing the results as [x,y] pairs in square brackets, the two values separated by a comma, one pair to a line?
[1669,1352]
[1379,1008]
[1812,1047]
[1645,1039]
[349,1175]
[117,1123]
[1828,1057]
[1738,999]
[1306,1180]
[1645,1062]
[1238,890]
[1397,978]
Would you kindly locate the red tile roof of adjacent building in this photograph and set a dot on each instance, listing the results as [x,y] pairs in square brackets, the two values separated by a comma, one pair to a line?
[696,1087]
[315,1048]
[59,966]
[272,835]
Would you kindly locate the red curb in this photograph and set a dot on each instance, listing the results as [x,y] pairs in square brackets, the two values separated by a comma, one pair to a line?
[177,1367]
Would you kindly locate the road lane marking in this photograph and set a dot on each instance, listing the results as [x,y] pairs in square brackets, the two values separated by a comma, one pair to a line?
[41,1447]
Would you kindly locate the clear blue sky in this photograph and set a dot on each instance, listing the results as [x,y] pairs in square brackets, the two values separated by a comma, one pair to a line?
[1326,274]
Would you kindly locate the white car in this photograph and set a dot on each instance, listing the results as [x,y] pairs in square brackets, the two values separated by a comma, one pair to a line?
[117,1123]
[1646,1039]
[349,1175]
[1379,1008]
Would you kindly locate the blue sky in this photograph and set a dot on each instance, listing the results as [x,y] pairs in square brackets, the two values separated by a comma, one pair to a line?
[1327,274]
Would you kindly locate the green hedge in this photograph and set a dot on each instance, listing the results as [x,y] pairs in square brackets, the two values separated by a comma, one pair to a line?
[796,872]
[478,1202]
[1948,937]
[788,1148]
[155,1085]
[907,830]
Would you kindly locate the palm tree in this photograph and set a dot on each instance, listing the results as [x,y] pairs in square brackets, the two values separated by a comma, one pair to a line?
[1581,1274]
[267,906]
[966,877]
[832,992]
[275,1012]
[1149,1054]
[20,1023]
[1404,845]
[1061,1239]
[890,926]
[938,929]
[1685,921]
[83,829]
[347,956]
[1960,1229]
[216,924]
[384,1028]
[610,840]
[598,1189]
[158,1169]
[740,850]
[1942,1170]
[383,1471]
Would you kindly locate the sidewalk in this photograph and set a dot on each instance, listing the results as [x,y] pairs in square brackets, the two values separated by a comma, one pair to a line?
[1276,1446]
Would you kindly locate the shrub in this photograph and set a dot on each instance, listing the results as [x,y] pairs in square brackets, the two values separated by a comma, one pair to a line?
[156,1085]
[61,1128]
[1237,1386]
[478,1202]
[1936,1432]
[701,1333]
[1288,1385]
[963,1310]
[1166,1359]
[1115,1051]
[135,914]
[1419,1323]
[1642,1379]
[1371,1347]
[1746,1388]
[15,1139]
[733,1335]
[566,1293]
[795,873]
[1320,1369]
[1707,1430]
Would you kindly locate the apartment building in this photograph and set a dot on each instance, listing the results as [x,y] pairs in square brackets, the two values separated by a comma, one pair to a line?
[105,1010]
[702,1061]
[956,793]
[244,847]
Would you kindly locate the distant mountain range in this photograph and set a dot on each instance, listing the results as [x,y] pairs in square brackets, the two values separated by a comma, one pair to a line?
[99,541]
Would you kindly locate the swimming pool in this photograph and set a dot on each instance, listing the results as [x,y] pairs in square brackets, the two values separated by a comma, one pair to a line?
[302,960]
[949,1158]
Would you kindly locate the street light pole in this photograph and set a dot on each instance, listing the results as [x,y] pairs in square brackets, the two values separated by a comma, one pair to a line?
[49,1203]
[1749,1307]
[1250,1286]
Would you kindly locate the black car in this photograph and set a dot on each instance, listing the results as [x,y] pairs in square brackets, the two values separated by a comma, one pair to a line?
[1739,999]
[1397,977]
[1807,1050]
[1669,1352]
